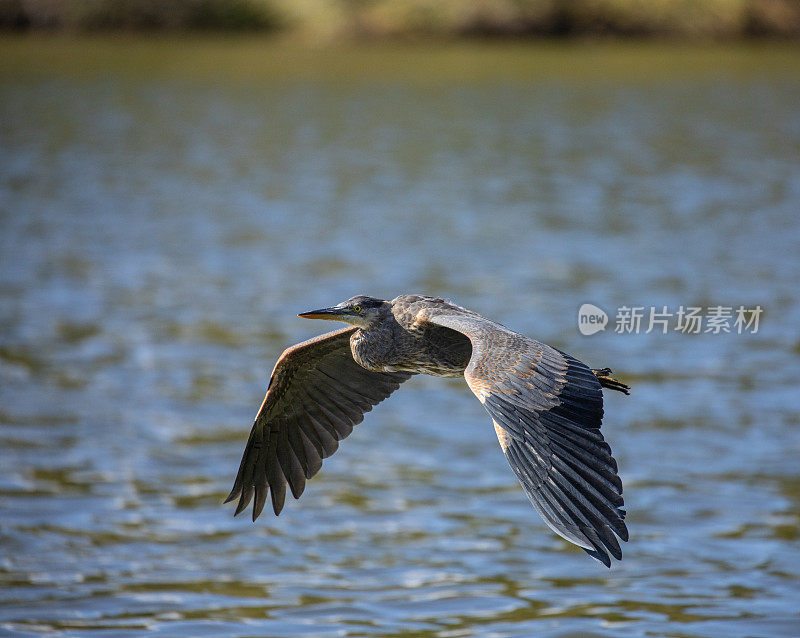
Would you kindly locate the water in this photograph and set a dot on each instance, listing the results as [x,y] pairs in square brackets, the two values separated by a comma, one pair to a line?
[163,219]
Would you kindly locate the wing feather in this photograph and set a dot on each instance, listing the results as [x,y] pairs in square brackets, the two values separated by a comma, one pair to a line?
[547,408]
[316,394]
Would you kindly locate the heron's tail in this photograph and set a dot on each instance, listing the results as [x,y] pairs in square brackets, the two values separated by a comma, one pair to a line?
[609,382]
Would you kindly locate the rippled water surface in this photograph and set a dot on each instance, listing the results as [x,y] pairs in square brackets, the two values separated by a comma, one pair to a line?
[164,214]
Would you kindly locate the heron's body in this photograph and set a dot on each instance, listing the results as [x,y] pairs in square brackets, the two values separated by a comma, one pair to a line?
[546,407]
[404,341]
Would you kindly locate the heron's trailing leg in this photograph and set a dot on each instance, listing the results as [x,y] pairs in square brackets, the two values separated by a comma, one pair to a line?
[610,382]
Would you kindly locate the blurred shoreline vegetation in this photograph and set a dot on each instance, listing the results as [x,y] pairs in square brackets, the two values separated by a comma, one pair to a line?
[333,20]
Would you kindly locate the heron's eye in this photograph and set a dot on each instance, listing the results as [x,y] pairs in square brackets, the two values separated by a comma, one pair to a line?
[356,308]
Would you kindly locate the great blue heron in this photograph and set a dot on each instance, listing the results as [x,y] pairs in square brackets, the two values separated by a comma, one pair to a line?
[546,407]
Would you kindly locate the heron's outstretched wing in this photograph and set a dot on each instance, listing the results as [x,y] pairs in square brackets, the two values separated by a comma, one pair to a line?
[316,394]
[547,409]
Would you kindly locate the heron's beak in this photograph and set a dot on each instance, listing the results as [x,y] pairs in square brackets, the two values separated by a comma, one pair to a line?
[331,314]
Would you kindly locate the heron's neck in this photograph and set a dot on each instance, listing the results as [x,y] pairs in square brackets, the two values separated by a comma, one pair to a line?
[371,347]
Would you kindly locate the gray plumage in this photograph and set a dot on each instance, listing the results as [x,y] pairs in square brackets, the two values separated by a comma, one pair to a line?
[546,407]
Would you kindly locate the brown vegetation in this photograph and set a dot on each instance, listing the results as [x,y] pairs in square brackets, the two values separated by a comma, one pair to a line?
[347,19]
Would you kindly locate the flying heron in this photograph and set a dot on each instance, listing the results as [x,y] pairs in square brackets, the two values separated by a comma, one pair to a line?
[546,407]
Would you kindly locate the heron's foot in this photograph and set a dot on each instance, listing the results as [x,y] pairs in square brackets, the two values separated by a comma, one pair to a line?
[607,381]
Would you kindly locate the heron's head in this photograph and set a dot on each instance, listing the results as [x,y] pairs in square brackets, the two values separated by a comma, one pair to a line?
[361,311]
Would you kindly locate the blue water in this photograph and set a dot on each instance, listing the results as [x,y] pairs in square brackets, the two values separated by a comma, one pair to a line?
[158,236]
